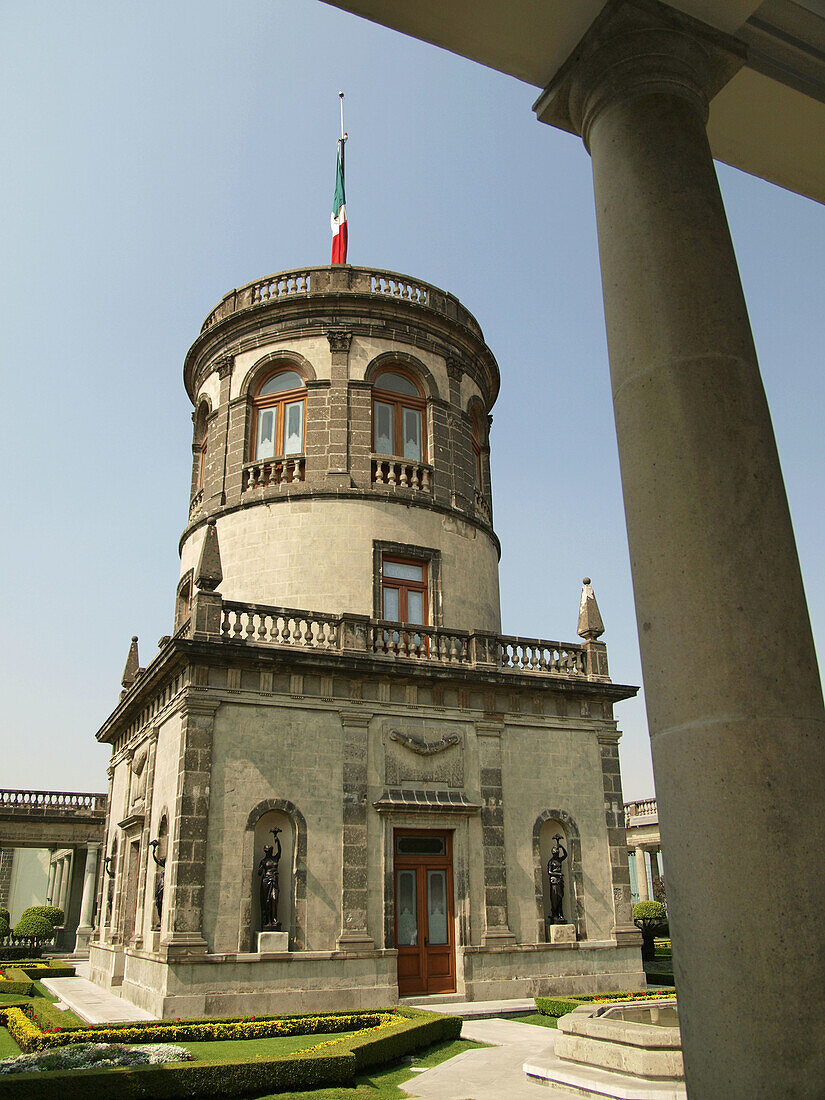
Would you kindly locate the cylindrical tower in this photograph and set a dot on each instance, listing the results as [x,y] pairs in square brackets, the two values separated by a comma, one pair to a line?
[341,443]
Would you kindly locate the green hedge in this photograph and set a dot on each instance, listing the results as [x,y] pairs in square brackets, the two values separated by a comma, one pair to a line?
[50,913]
[39,970]
[560,1006]
[20,951]
[415,1030]
[334,1065]
[187,1079]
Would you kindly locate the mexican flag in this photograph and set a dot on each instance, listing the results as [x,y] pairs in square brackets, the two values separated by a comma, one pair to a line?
[338,220]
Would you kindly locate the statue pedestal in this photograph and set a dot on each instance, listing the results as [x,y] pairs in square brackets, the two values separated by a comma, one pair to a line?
[562,933]
[270,942]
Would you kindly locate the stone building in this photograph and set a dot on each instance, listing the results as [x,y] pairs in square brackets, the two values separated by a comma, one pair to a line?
[337,672]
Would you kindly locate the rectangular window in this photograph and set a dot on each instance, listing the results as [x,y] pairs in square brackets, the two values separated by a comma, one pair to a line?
[404,590]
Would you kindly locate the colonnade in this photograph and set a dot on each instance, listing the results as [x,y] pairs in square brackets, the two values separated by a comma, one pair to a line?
[59,890]
[644,882]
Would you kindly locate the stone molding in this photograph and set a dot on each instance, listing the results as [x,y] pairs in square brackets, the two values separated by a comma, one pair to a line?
[339,340]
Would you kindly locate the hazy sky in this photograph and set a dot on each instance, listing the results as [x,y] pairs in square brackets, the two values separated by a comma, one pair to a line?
[158,155]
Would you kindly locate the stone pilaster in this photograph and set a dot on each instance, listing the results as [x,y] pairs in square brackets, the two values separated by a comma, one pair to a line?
[6,864]
[182,926]
[625,931]
[492,834]
[355,742]
[338,469]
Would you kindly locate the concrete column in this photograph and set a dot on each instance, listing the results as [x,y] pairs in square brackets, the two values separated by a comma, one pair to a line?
[87,900]
[50,887]
[641,874]
[60,874]
[733,693]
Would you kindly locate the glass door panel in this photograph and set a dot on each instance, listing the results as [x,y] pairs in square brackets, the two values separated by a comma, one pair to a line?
[412,434]
[437,908]
[266,434]
[407,901]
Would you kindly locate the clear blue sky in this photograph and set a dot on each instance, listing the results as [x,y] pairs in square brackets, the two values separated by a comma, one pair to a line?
[157,155]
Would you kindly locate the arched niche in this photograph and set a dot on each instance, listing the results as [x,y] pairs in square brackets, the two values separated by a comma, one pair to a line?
[547,825]
[274,813]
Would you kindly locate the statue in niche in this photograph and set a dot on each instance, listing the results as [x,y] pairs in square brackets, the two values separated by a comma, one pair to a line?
[140,772]
[555,874]
[108,863]
[270,889]
[161,862]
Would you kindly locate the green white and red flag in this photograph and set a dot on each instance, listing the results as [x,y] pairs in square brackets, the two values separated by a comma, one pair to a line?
[338,219]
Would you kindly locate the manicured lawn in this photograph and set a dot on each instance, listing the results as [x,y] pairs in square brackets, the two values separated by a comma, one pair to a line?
[383,1084]
[252,1050]
[64,1019]
[538,1019]
[8,1047]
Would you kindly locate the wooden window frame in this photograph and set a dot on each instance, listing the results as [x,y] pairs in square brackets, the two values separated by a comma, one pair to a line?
[202,458]
[404,587]
[277,401]
[399,402]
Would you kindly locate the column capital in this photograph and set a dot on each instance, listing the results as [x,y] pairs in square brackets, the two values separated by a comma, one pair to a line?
[638,48]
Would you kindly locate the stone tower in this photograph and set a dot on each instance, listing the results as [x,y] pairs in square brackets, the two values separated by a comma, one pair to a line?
[336,679]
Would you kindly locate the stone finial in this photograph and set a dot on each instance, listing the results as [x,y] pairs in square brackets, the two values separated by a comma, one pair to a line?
[590,621]
[209,574]
[130,672]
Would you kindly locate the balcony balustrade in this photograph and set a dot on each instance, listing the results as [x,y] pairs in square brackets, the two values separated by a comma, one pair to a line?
[482,507]
[196,503]
[396,473]
[273,471]
[352,634]
[645,807]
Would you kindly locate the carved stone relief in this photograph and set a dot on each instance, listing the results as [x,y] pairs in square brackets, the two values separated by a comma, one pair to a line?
[417,753]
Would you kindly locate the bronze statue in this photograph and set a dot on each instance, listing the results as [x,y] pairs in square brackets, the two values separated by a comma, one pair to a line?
[270,889]
[161,862]
[556,876]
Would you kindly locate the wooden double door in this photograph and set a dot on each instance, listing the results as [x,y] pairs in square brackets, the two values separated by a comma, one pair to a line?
[424,915]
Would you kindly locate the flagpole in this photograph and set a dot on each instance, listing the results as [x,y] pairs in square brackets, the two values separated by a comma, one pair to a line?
[341,100]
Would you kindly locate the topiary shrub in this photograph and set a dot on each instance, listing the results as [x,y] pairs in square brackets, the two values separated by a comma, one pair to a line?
[35,927]
[649,917]
[51,913]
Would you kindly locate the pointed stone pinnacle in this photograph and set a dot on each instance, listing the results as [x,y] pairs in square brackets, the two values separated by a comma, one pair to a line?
[590,621]
[130,672]
[209,573]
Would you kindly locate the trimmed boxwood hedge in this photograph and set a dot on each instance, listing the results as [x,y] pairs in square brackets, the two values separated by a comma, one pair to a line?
[560,1006]
[329,1064]
[13,952]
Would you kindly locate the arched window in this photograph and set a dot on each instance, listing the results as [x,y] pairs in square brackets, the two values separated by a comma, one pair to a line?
[279,414]
[202,458]
[398,416]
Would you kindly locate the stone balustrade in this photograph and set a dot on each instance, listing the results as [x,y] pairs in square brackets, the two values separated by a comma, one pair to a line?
[196,502]
[294,628]
[342,279]
[397,473]
[645,807]
[40,803]
[280,626]
[262,473]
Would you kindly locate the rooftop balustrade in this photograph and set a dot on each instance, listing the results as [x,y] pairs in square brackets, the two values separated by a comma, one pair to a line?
[48,803]
[296,629]
[287,285]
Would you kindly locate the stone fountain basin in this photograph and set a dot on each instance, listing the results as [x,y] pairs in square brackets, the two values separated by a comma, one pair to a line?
[641,1039]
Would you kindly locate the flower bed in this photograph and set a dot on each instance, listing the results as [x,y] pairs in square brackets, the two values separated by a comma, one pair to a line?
[396,1033]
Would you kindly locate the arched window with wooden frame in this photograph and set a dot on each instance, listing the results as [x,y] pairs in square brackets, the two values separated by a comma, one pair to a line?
[398,408]
[279,415]
[475,435]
